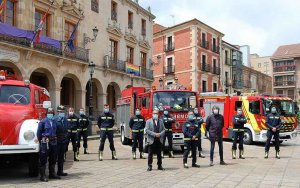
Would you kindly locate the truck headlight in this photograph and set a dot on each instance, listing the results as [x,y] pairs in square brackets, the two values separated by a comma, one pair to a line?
[29,135]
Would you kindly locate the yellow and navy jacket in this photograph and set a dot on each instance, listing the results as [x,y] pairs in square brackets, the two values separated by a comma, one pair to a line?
[106,120]
[83,123]
[190,128]
[137,123]
[73,123]
[168,121]
[273,121]
[62,129]
[238,122]
[198,119]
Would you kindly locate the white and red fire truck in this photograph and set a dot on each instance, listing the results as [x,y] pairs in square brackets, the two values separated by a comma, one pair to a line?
[22,105]
[178,102]
[255,108]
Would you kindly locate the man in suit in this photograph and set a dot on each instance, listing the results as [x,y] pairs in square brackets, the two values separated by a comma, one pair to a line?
[155,131]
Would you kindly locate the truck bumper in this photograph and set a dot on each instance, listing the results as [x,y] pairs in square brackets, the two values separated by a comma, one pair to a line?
[262,136]
[15,149]
[177,139]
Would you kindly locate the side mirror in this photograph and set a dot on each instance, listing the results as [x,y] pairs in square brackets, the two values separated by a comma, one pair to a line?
[46,104]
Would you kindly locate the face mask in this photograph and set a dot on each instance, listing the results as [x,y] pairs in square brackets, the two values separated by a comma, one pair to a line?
[61,115]
[71,113]
[50,116]
[81,112]
[166,112]
[191,117]
[239,112]
[273,110]
[137,113]
[216,111]
[106,110]
[155,116]
[195,111]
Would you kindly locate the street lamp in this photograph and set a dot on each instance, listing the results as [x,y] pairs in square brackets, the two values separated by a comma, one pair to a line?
[91,70]
[161,82]
[87,39]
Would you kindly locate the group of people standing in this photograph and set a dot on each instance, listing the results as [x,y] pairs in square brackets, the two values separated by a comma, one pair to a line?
[54,135]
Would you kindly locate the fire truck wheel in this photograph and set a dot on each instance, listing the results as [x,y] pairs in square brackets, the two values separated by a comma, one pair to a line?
[248,137]
[33,165]
[124,140]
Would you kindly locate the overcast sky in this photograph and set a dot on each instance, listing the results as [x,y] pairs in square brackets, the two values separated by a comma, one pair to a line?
[262,24]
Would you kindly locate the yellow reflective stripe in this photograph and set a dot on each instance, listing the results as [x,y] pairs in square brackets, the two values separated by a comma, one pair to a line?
[82,129]
[72,131]
[137,131]
[190,139]
[238,129]
[168,129]
[106,129]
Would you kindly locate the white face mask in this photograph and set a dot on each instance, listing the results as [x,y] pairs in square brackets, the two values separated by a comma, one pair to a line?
[71,113]
[216,111]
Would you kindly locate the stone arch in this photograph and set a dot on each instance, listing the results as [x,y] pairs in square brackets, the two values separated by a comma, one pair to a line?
[13,68]
[113,94]
[97,95]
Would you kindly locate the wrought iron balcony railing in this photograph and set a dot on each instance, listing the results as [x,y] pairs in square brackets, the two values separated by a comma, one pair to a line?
[169,69]
[169,47]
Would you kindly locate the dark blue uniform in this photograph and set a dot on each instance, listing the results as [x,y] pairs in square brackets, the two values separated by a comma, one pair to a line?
[62,140]
[273,121]
[83,130]
[137,125]
[168,121]
[238,131]
[190,128]
[106,122]
[73,125]
[46,135]
[199,120]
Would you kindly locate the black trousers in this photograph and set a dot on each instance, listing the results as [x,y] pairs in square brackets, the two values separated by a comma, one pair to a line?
[61,148]
[212,148]
[84,135]
[106,134]
[48,152]
[155,148]
[169,135]
[188,146]
[238,135]
[270,134]
[73,138]
[199,142]
[137,140]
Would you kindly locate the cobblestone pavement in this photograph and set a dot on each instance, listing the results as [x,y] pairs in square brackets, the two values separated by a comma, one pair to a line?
[254,171]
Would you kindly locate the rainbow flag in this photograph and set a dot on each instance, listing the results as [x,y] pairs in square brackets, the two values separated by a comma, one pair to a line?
[133,69]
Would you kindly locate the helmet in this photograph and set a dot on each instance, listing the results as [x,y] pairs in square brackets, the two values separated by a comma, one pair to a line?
[61,108]
[50,111]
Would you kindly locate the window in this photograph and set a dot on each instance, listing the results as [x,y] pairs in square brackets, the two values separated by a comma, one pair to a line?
[129,55]
[203,86]
[226,91]
[203,59]
[14,94]
[36,97]
[170,62]
[113,49]
[95,5]
[203,38]
[143,27]
[9,12]
[226,76]
[38,15]
[215,87]
[146,102]
[214,63]
[143,59]
[130,20]
[238,104]
[291,94]
[169,41]
[114,14]
[259,65]
[69,27]
[279,92]
[214,45]
[254,107]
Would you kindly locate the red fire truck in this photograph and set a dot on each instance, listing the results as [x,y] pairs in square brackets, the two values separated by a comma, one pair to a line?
[177,101]
[22,105]
[255,108]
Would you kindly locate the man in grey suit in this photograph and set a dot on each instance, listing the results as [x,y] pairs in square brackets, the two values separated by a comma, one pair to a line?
[155,131]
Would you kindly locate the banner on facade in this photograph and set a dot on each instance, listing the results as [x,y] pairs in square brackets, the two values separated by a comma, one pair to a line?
[133,69]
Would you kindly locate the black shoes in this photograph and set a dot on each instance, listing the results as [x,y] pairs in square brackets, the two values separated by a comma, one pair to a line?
[149,168]
[62,174]
[196,165]
[53,176]
[160,168]
[185,165]
[223,163]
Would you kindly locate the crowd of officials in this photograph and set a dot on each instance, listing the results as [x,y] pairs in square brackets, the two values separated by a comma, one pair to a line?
[56,131]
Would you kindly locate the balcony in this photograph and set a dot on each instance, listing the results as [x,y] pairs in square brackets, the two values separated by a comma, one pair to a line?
[216,49]
[204,44]
[247,83]
[169,69]
[143,31]
[284,84]
[146,73]
[169,47]
[114,16]
[80,54]
[130,24]
[115,64]
[205,67]
[228,61]
[285,68]
[237,84]
[216,70]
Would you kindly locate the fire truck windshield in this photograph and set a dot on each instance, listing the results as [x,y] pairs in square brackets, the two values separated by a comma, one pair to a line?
[284,107]
[174,101]
[14,94]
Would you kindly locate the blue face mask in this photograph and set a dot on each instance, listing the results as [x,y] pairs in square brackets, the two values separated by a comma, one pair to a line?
[191,117]
[50,116]
[81,112]
[137,113]
[166,112]
[195,111]
[106,110]
[155,116]
[273,110]
[61,115]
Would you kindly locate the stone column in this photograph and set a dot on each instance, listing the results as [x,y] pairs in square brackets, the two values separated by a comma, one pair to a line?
[79,99]
[55,96]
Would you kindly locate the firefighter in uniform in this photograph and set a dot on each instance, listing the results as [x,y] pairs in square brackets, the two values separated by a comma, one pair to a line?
[238,121]
[191,133]
[62,139]
[168,121]
[274,124]
[46,135]
[106,122]
[82,130]
[73,125]
[137,126]
[199,120]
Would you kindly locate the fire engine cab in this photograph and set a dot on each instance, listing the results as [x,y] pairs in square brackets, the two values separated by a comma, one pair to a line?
[22,105]
[178,102]
[255,108]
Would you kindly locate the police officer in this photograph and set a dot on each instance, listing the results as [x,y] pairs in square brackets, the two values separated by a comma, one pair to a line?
[137,125]
[191,133]
[106,122]
[82,130]
[238,121]
[46,135]
[73,125]
[168,121]
[199,121]
[62,139]
[274,124]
